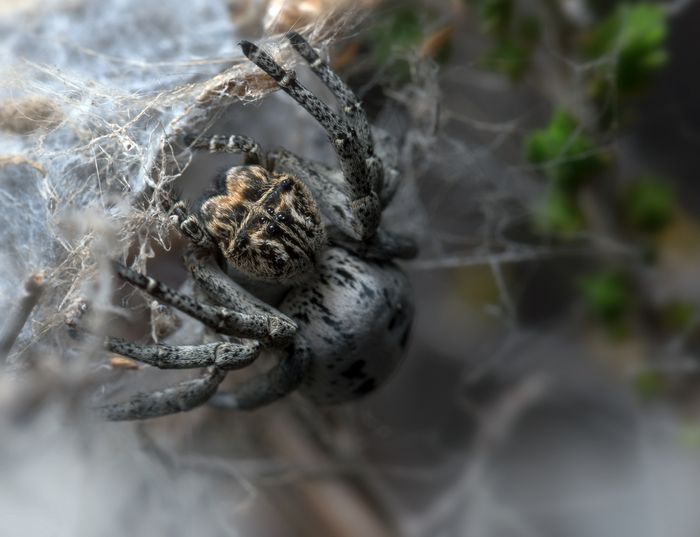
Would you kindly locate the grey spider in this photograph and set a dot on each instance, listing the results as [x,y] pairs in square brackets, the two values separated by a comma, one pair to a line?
[342,324]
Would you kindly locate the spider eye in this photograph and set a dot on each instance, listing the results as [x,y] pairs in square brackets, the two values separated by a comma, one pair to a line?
[281,218]
[272,229]
[286,185]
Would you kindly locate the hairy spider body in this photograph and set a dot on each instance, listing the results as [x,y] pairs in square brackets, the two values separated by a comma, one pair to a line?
[341,325]
[266,224]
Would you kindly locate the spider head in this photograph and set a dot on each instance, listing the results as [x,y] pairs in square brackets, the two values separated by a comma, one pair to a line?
[267,225]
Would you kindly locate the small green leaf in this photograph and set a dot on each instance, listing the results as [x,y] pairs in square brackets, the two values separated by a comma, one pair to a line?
[649,384]
[633,37]
[608,297]
[394,38]
[560,214]
[565,151]
[495,15]
[648,205]
[508,57]
[398,34]
[678,315]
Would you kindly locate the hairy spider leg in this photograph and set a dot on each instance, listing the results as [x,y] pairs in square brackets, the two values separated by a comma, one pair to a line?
[205,271]
[353,160]
[234,143]
[275,383]
[227,356]
[351,106]
[223,356]
[382,246]
[223,320]
[179,398]
[189,224]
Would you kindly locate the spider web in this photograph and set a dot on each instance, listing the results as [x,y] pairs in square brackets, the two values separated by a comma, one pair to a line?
[479,202]
[91,100]
[92,95]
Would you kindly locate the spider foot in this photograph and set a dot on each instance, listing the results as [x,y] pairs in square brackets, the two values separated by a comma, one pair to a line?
[234,143]
[281,330]
[180,398]
[351,106]
[303,48]
[263,60]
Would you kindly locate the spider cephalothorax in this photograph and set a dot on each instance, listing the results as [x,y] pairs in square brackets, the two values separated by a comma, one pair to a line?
[267,225]
[342,319]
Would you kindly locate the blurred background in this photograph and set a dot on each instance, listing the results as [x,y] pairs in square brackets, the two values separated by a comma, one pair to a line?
[547,158]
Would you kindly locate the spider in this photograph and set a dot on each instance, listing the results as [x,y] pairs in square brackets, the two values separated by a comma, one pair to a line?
[345,316]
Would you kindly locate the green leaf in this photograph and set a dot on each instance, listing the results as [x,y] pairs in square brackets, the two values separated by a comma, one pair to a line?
[566,153]
[508,57]
[649,384]
[608,297]
[394,38]
[678,315]
[495,15]
[648,205]
[560,214]
[398,34]
[634,38]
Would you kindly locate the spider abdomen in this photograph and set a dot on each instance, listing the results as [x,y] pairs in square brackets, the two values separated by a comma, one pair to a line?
[355,317]
[266,225]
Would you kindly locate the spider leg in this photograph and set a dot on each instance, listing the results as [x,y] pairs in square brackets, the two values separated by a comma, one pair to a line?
[226,356]
[179,398]
[222,320]
[234,143]
[351,106]
[222,289]
[382,246]
[263,389]
[387,150]
[326,186]
[354,162]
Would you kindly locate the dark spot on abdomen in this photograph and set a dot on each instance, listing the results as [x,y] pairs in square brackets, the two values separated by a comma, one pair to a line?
[366,387]
[344,274]
[404,337]
[367,292]
[330,321]
[355,371]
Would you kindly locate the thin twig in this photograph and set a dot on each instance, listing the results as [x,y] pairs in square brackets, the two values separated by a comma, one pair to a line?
[20,313]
